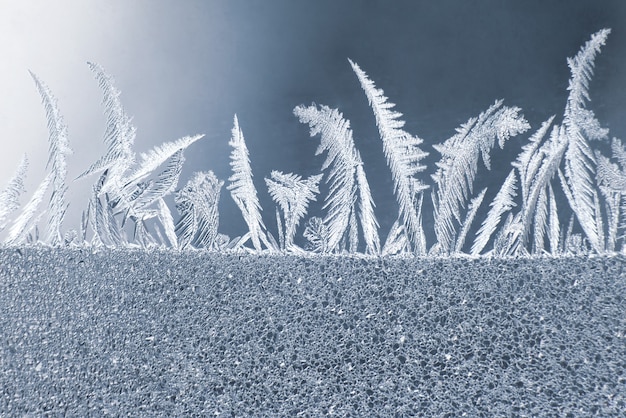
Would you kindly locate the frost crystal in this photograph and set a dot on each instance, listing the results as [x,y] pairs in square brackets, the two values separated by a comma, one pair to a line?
[9,197]
[347,182]
[293,195]
[197,204]
[557,163]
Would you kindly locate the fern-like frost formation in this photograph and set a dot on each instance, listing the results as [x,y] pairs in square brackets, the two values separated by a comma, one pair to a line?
[131,198]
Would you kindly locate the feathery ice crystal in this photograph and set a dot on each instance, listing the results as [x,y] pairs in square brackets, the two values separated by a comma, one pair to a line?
[557,162]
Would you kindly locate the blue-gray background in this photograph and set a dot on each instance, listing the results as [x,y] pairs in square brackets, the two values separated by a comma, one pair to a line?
[187,67]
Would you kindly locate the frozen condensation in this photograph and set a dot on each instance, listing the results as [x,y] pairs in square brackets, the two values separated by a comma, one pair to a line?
[135,333]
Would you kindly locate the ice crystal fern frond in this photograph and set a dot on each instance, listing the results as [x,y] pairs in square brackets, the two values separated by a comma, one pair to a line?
[472,210]
[102,220]
[197,204]
[119,135]
[581,67]
[347,182]
[10,195]
[529,160]
[404,158]
[139,192]
[132,189]
[619,152]
[609,174]
[459,163]
[27,220]
[537,182]
[165,216]
[150,160]
[502,203]
[612,181]
[317,235]
[164,183]
[580,126]
[242,188]
[293,194]
[58,151]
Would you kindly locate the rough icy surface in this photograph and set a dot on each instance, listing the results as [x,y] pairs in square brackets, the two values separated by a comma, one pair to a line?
[162,334]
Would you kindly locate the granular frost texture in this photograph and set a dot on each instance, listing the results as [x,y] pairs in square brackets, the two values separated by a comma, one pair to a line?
[124,332]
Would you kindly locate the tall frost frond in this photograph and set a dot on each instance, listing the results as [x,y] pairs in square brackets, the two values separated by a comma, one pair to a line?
[351,242]
[507,240]
[103,222]
[152,159]
[613,208]
[551,153]
[133,188]
[609,174]
[293,195]
[163,184]
[341,161]
[242,188]
[581,67]
[567,191]
[502,203]
[469,219]
[197,204]
[396,241]
[317,234]
[24,223]
[165,216]
[580,126]
[612,182]
[142,235]
[619,152]
[114,232]
[10,196]
[119,135]
[347,183]
[58,151]
[281,230]
[369,224]
[529,160]
[403,157]
[459,163]
[540,221]
[93,216]
[554,225]
[187,224]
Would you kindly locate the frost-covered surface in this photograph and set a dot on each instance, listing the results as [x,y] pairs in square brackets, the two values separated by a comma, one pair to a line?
[135,333]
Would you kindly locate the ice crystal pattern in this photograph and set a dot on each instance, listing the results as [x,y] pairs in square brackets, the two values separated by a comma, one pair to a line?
[130,201]
[197,202]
